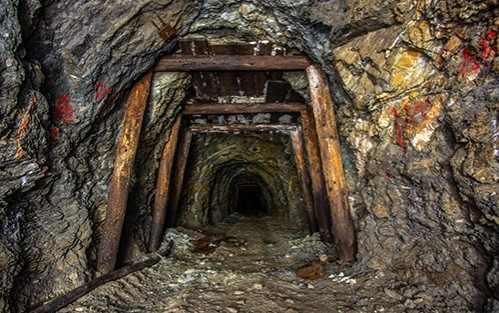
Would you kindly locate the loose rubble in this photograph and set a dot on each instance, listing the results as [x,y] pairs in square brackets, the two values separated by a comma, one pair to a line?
[255,270]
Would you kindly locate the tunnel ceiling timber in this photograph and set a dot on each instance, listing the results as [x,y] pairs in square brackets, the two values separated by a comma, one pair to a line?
[415,91]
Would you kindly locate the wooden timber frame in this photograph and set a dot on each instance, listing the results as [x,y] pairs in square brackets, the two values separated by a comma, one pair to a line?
[329,196]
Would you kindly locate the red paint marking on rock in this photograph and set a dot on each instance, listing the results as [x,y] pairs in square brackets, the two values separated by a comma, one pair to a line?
[102,91]
[23,127]
[54,133]
[63,111]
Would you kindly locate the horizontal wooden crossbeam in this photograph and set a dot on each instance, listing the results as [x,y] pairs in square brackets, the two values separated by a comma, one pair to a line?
[223,128]
[189,63]
[241,108]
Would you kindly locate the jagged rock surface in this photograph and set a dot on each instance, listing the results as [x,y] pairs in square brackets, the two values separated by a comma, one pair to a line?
[416,94]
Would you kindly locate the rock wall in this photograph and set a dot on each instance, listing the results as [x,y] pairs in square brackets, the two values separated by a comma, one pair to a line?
[426,211]
[415,86]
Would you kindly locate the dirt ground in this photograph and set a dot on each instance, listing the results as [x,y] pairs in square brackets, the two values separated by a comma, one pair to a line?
[251,266]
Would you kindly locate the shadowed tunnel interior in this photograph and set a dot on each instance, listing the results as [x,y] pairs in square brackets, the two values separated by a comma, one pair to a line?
[249,200]
[225,169]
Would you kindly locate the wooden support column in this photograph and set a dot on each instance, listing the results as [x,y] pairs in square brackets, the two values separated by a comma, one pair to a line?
[318,185]
[183,154]
[163,186]
[323,109]
[301,168]
[123,165]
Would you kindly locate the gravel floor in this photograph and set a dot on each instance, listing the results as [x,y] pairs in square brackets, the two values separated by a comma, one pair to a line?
[254,269]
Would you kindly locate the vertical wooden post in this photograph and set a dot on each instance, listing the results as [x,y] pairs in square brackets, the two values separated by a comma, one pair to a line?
[317,177]
[301,168]
[163,186]
[123,165]
[323,109]
[183,154]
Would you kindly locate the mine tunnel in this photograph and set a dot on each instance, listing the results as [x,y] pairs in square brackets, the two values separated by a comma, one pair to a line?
[249,200]
[249,156]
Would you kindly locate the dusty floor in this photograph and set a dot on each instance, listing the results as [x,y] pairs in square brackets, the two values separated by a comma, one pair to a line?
[253,270]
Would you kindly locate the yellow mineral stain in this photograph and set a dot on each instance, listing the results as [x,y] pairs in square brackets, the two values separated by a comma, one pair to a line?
[453,43]
[381,211]
[407,70]
[408,60]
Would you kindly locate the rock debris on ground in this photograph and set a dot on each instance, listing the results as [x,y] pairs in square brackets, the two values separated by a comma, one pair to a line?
[254,269]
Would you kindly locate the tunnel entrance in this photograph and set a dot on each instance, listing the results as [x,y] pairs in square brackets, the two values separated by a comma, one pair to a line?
[250,200]
[246,107]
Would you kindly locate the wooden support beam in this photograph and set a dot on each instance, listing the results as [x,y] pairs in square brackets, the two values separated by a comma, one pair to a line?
[118,191]
[316,174]
[304,179]
[187,63]
[242,108]
[182,156]
[230,128]
[163,186]
[323,109]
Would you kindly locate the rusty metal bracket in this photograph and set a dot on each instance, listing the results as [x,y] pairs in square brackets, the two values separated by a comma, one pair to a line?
[166,31]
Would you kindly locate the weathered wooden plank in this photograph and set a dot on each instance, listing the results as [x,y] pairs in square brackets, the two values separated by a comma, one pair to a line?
[205,82]
[230,128]
[323,111]
[182,63]
[62,301]
[227,82]
[163,187]
[182,156]
[247,79]
[304,179]
[261,77]
[123,165]
[316,175]
[240,108]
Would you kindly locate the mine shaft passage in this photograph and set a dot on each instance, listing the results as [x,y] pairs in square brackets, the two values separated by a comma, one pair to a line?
[250,200]
[252,174]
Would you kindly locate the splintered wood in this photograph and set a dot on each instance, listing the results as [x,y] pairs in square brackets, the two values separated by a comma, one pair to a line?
[203,241]
[184,63]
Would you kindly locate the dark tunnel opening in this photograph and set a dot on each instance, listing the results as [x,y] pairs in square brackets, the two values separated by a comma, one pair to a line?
[249,200]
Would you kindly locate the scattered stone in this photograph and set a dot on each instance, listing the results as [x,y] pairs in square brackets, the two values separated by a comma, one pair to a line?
[393,294]
[311,272]
[257,286]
